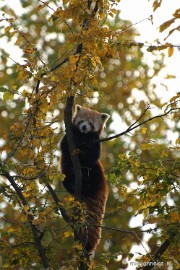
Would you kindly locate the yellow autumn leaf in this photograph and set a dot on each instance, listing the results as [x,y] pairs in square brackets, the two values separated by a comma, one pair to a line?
[58,12]
[65,2]
[152,203]
[18,41]
[177,13]
[26,194]
[14,87]
[152,219]
[102,15]
[114,10]
[73,58]
[170,51]
[22,74]
[146,146]
[6,265]
[67,234]
[170,76]
[12,33]
[41,7]
[11,230]
[26,208]
[174,217]
[164,104]
[144,130]
[69,199]
[174,98]
[165,25]
[36,221]
[93,62]
[29,50]
[137,163]
[123,192]
[29,170]
[8,28]
[156,4]
[164,153]
[78,246]
[23,218]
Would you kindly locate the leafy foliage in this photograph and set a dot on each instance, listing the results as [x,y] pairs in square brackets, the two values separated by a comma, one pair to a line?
[75,49]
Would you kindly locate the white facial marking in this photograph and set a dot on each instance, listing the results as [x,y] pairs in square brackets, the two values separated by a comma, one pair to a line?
[85,127]
[89,121]
[96,127]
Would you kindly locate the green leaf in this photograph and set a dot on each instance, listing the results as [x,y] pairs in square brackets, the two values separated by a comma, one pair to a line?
[3,89]
[47,239]
[7,95]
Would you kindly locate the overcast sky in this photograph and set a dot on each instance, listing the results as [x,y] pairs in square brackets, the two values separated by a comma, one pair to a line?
[138,10]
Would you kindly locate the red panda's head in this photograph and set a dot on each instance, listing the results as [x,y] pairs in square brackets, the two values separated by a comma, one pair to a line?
[87,120]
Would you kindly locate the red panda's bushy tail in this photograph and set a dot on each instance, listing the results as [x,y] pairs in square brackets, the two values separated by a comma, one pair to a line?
[91,232]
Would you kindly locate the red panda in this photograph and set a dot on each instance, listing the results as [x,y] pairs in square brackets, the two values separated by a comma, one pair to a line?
[87,127]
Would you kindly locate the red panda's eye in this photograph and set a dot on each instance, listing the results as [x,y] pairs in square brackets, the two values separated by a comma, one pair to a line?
[79,122]
[91,123]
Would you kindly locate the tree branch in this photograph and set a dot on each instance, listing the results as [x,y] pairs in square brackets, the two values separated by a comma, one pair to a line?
[57,201]
[84,258]
[78,50]
[135,125]
[35,232]
[164,246]
[72,147]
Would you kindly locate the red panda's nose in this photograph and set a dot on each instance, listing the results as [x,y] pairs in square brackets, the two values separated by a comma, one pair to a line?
[84,127]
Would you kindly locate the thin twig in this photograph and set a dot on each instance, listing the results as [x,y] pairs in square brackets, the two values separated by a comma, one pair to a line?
[131,25]
[123,230]
[163,247]
[21,138]
[134,126]
[25,38]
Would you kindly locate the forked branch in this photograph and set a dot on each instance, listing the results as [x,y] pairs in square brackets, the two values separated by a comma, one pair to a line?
[137,123]
[37,235]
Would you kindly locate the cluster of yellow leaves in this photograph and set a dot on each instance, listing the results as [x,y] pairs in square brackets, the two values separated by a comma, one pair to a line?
[165,46]
[75,206]
[123,192]
[21,38]
[78,11]
[166,24]
[34,152]
[156,4]
[40,218]
[159,178]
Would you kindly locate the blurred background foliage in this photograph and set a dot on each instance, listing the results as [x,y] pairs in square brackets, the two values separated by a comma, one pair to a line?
[109,76]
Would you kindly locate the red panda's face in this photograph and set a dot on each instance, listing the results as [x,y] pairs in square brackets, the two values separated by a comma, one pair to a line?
[87,125]
[87,120]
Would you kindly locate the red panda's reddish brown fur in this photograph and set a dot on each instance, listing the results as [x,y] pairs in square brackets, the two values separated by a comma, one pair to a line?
[87,127]
[95,213]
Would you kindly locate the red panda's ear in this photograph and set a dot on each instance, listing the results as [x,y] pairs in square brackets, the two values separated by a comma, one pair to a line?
[77,108]
[104,117]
